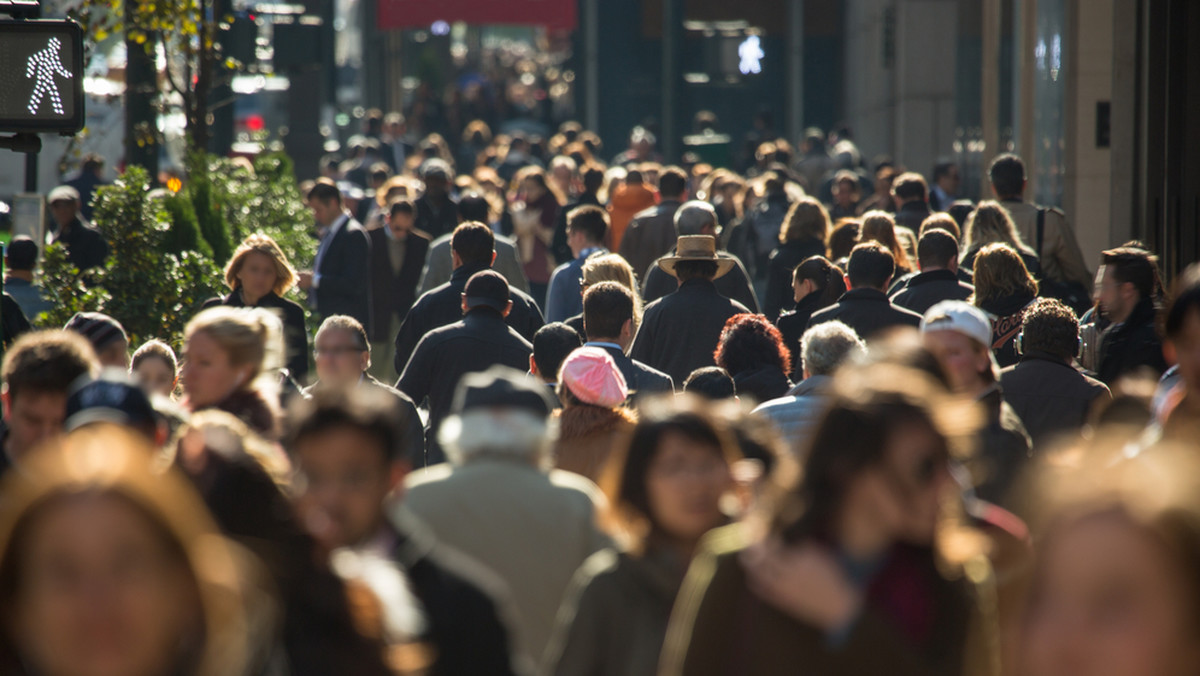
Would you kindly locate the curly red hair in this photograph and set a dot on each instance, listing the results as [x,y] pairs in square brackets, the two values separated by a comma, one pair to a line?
[749,341]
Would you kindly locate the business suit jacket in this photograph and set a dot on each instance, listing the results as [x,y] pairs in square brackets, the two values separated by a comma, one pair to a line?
[868,312]
[680,332]
[394,291]
[345,272]
[439,266]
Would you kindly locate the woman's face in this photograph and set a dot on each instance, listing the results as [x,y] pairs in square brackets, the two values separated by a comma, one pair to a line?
[207,374]
[1109,601]
[257,275]
[155,376]
[531,189]
[101,594]
[684,486]
[904,491]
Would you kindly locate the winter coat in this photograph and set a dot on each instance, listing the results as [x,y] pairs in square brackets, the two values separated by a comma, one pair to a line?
[793,325]
[1049,395]
[926,289]
[586,435]
[679,332]
[631,209]
[762,384]
[1131,345]
[796,414]
[734,284]
[784,260]
[868,312]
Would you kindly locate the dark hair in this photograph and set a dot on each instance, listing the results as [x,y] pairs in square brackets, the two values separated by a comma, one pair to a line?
[325,190]
[672,181]
[1007,175]
[936,249]
[1185,300]
[910,185]
[625,477]
[1050,326]
[351,326]
[844,236]
[871,265]
[22,253]
[92,163]
[829,278]
[686,270]
[1135,266]
[941,220]
[551,345]
[47,362]
[710,382]
[402,205]
[748,342]
[593,178]
[474,243]
[943,169]
[591,220]
[960,211]
[370,410]
[606,308]
[473,207]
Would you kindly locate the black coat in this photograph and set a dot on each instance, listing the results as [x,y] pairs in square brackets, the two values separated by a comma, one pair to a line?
[345,270]
[793,325]
[926,289]
[295,333]
[86,247]
[784,260]
[1049,395]
[679,332]
[481,340]
[436,218]
[912,214]
[394,291]
[639,378]
[734,284]
[1131,345]
[762,384]
[466,621]
[442,305]
[868,312]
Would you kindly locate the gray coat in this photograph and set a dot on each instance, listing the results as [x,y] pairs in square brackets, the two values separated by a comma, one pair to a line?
[796,415]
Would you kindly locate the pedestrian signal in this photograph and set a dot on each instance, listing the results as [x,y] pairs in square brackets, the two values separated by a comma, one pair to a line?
[41,76]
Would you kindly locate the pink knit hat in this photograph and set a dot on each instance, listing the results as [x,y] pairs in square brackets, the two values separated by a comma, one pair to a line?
[592,376]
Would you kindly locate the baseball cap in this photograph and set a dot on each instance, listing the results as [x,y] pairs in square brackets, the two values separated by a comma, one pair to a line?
[63,193]
[591,375]
[111,397]
[501,387]
[955,315]
[489,288]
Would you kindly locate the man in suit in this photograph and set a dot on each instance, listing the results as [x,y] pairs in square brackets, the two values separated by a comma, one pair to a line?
[473,250]
[608,315]
[700,218]
[679,332]
[865,307]
[339,283]
[439,263]
[397,255]
[479,341]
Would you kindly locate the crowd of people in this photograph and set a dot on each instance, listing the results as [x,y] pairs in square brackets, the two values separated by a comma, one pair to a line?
[575,417]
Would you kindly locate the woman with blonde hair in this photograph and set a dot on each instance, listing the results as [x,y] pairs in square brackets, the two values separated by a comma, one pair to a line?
[107,566]
[228,359]
[1003,289]
[880,226]
[608,268]
[802,236]
[989,223]
[260,275]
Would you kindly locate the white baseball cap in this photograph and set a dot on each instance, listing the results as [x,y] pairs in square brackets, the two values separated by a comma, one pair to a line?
[955,315]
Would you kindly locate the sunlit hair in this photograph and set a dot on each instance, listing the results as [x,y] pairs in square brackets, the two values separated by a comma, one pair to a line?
[846,235]
[499,432]
[285,275]
[830,280]
[940,220]
[249,337]
[749,341]
[107,461]
[880,226]
[990,223]
[999,273]
[154,349]
[614,268]
[807,218]
[624,479]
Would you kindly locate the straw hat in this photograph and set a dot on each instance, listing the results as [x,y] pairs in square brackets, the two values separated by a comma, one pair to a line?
[696,248]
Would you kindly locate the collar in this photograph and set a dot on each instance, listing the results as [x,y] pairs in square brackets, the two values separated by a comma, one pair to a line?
[698,283]
[810,386]
[337,225]
[941,275]
[1039,355]
[604,344]
[463,272]
[864,294]
[583,255]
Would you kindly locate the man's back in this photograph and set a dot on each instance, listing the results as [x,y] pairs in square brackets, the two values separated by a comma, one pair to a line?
[533,529]
[1049,395]
[640,378]
[650,234]
[1060,257]
[735,284]
[439,265]
[679,332]
[868,312]
[927,289]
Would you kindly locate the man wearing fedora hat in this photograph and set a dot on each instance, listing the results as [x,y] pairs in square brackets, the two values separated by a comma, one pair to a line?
[680,331]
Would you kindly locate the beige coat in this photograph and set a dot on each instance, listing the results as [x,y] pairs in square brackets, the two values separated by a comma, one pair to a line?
[532,528]
[586,437]
[1060,257]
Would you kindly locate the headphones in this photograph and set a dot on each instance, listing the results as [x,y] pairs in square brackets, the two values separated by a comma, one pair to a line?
[1020,344]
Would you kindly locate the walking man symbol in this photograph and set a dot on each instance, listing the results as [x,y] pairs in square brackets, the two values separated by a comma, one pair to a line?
[42,66]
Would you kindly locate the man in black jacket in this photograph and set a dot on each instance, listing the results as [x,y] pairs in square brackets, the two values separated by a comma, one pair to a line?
[86,247]
[472,250]
[937,256]
[911,194]
[679,332]
[397,256]
[1045,389]
[652,231]
[865,307]
[481,340]
[339,283]
[437,212]
[608,314]
[358,433]
[1128,281]
[700,218]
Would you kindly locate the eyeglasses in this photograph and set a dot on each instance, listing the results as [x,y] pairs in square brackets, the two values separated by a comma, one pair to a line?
[336,351]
